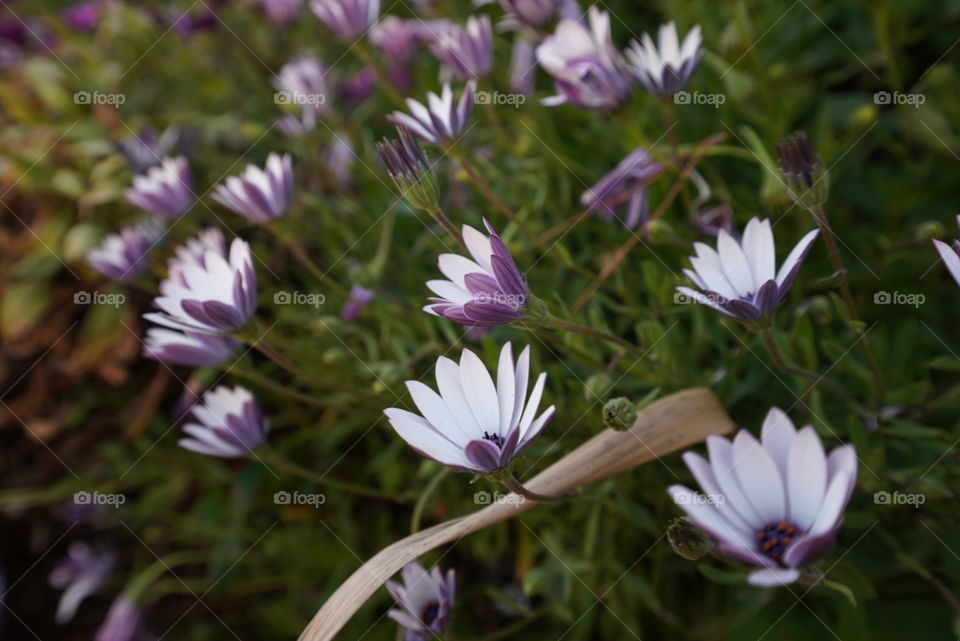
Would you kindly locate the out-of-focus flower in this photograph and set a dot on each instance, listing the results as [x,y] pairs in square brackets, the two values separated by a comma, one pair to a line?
[358,298]
[303,82]
[425,601]
[164,191]
[467,52]
[190,349]
[207,290]
[472,425]
[665,70]
[124,621]
[738,278]
[950,254]
[776,503]
[522,66]
[804,174]
[281,11]
[409,169]
[348,19]
[259,195]
[228,423]
[397,38]
[123,257]
[587,69]
[147,148]
[711,220]
[79,574]
[339,158]
[444,120]
[486,291]
[531,13]
[84,16]
[358,87]
[625,184]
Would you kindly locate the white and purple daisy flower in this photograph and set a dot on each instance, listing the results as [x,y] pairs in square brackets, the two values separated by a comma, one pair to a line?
[950,254]
[425,600]
[207,290]
[737,279]
[776,503]
[626,184]
[444,120]
[303,82]
[587,69]
[486,291]
[190,349]
[467,52]
[348,19]
[123,256]
[259,195]
[165,190]
[81,573]
[227,423]
[666,69]
[531,13]
[473,425]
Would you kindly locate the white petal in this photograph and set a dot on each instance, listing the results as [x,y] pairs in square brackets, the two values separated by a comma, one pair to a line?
[795,254]
[759,477]
[759,248]
[722,462]
[480,392]
[506,387]
[807,478]
[735,264]
[444,419]
[777,435]
[773,577]
[417,432]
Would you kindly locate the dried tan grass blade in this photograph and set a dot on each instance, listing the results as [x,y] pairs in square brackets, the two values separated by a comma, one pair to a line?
[672,423]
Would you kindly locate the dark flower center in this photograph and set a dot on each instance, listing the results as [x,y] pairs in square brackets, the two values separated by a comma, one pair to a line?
[430,614]
[773,538]
[496,439]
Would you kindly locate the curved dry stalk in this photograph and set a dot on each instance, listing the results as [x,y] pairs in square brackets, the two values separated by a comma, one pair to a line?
[672,423]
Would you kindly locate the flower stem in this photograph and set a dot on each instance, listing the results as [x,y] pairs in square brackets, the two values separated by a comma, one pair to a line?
[781,362]
[492,197]
[421,503]
[447,224]
[576,328]
[269,457]
[304,259]
[511,483]
[833,251]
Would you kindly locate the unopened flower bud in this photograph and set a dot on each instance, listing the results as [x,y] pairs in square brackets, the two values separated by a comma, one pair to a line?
[596,387]
[619,413]
[660,232]
[803,172]
[687,540]
[408,167]
[929,229]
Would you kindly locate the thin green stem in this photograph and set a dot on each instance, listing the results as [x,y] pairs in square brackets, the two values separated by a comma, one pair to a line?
[447,224]
[269,457]
[576,328]
[494,200]
[781,362]
[421,503]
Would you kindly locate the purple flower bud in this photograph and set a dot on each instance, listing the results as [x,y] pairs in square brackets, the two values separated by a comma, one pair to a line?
[587,69]
[259,195]
[84,16]
[359,298]
[625,184]
[466,52]
[164,191]
[358,87]
[228,423]
[122,257]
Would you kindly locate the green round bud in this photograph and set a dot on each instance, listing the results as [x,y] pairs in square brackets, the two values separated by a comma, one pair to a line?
[687,540]
[660,232]
[929,229]
[596,387]
[619,413]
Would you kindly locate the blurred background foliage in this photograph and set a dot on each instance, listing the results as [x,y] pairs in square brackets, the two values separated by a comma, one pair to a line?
[81,410]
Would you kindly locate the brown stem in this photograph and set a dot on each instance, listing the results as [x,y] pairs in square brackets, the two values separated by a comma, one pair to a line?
[447,224]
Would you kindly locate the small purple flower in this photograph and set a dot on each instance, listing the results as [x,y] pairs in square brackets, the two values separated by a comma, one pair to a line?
[303,82]
[467,52]
[443,121]
[776,503]
[397,38]
[665,70]
[164,191]
[473,425]
[81,573]
[348,19]
[587,69]
[356,88]
[84,16]
[950,254]
[737,279]
[122,257]
[425,601]
[189,349]
[486,291]
[228,423]
[207,290]
[531,13]
[259,195]
[281,12]
[358,298]
[627,183]
[124,621]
